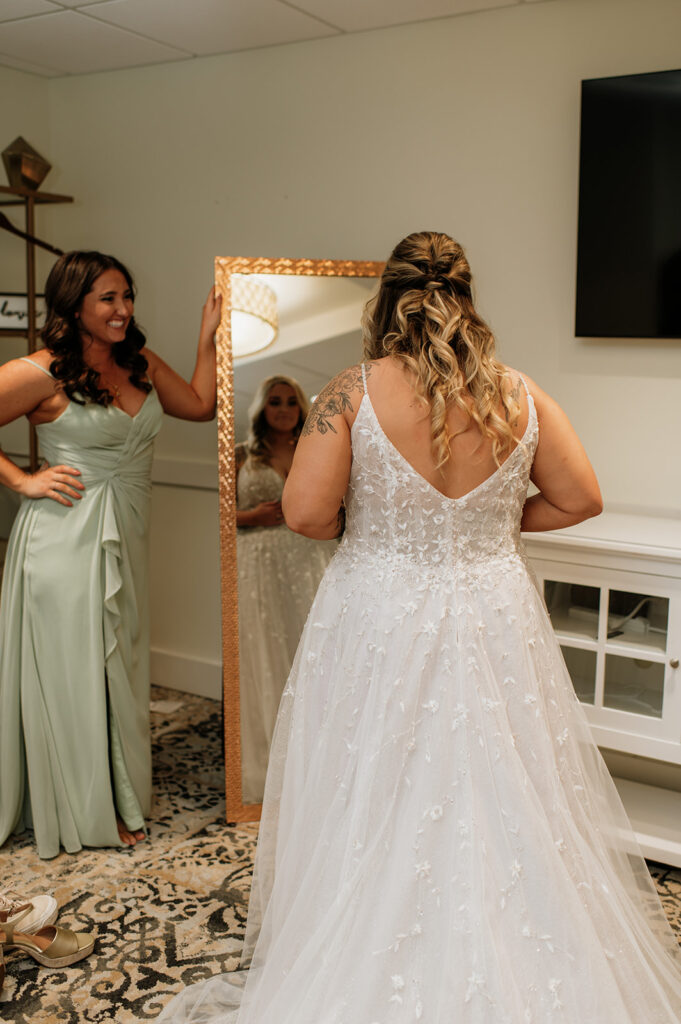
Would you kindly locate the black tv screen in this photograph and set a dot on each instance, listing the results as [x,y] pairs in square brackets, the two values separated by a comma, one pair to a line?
[629,238]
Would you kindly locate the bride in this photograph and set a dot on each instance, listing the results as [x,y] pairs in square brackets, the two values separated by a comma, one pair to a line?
[440,839]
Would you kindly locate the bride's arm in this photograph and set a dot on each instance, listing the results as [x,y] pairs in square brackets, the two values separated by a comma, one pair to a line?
[315,488]
[568,488]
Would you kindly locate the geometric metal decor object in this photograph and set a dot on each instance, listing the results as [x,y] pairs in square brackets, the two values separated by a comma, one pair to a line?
[25,167]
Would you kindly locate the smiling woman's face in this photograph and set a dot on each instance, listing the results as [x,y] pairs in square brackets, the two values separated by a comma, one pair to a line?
[282,411]
[107,309]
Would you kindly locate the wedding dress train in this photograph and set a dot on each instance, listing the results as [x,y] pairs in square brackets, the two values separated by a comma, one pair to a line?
[441,841]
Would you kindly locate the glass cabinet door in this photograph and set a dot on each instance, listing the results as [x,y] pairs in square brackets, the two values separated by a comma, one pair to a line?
[617,632]
[640,622]
[574,609]
[575,612]
[634,685]
[582,668]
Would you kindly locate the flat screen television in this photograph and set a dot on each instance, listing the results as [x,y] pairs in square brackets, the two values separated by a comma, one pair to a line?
[629,234]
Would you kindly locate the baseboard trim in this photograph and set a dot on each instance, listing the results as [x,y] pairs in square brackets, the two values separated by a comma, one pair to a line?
[189,675]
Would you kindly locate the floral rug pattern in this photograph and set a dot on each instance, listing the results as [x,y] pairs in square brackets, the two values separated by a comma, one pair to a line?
[166,913]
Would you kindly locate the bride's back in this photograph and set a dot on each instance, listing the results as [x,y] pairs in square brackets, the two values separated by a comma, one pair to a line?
[441,396]
[441,418]
[406,421]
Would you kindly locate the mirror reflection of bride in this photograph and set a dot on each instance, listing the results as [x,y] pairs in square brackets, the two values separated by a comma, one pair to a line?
[278,570]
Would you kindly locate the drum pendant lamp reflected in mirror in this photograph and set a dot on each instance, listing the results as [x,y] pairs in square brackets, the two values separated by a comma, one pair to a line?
[255,322]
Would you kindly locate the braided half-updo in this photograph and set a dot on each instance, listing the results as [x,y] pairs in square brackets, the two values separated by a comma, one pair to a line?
[423,315]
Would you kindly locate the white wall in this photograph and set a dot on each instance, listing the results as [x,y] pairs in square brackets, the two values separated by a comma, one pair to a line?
[23,111]
[185,590]
[339,147]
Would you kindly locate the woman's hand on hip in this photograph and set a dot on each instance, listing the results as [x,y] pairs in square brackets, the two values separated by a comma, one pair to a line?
[56,482]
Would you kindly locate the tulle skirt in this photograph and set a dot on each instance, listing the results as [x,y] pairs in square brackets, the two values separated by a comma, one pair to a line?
[279,572]
[441,840]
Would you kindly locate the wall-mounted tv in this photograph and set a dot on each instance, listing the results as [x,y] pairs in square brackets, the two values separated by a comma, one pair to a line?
[629,239]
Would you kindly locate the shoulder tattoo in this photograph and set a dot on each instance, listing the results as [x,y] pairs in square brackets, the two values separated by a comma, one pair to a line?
[334,399]
[515,393]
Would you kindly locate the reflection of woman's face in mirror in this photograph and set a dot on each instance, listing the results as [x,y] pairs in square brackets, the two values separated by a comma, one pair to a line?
[282,411]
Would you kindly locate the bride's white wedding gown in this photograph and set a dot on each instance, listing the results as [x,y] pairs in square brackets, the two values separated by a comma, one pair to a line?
[441,841]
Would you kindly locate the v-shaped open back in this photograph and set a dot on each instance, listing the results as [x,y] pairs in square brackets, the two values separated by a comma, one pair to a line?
[393,512]
[456,458]
[531,422]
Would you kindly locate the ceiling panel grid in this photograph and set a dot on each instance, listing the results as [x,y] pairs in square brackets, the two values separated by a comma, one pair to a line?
[71,37]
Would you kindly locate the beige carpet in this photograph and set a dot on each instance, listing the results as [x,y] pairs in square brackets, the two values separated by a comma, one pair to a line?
[168,912]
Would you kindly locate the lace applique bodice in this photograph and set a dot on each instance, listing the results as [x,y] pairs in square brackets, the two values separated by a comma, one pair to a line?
[398,519]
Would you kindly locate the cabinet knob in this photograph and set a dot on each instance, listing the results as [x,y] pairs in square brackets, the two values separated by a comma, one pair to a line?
[674,662]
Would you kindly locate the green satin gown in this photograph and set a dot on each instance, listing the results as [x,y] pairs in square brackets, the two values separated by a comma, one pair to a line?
[74,638]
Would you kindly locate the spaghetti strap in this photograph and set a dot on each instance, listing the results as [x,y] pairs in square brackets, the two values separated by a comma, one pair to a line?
[26,359]
[364,378]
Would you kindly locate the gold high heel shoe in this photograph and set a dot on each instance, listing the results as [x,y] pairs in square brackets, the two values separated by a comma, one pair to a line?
[44,908]
[51,946]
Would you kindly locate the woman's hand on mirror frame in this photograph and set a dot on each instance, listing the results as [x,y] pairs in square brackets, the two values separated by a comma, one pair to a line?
[193,400]
[58,483]
[210,317]
[267,513]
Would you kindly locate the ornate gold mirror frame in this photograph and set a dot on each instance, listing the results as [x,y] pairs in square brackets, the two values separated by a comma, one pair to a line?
[236,810]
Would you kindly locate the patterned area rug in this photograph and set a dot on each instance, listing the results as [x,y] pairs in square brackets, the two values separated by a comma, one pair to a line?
[168,912]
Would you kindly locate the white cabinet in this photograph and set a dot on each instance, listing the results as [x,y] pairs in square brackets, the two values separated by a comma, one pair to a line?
[612,586]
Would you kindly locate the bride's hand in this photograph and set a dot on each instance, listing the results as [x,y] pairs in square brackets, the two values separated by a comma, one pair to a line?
[56,482]
[267,513]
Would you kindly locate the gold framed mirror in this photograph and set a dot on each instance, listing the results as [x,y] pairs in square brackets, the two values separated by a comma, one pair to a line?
[305,326]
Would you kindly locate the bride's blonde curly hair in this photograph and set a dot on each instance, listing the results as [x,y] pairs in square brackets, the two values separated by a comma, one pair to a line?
[424,315]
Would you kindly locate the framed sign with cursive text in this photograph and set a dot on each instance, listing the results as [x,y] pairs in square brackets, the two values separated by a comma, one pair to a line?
[14,312]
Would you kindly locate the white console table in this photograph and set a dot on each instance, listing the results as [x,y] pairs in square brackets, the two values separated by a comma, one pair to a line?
[613,589]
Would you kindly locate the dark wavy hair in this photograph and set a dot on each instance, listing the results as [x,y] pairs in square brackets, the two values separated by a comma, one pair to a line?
[69,281]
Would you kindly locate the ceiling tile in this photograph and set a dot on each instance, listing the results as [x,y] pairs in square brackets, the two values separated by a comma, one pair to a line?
[23,65]
[10,9]
[357,15]
[75,43]
[212,26]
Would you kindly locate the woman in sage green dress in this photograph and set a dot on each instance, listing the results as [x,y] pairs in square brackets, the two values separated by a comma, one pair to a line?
[75,760]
